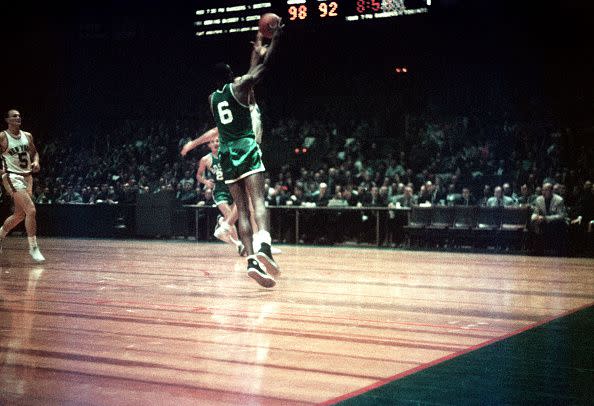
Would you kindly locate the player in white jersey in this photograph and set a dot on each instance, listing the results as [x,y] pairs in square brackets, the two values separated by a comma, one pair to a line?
[19,160]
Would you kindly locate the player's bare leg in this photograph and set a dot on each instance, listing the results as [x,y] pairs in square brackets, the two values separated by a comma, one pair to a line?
[256,269]
[225,229]
[255,229]
[254,185]
[24,210]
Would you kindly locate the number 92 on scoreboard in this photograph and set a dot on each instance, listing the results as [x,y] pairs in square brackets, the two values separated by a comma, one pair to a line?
[308,10]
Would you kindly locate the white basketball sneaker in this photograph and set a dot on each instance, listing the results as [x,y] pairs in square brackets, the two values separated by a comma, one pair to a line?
[36,254]
[222,230]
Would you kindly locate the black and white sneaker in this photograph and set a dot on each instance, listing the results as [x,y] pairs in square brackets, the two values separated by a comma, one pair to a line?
[265,257]
[257,272]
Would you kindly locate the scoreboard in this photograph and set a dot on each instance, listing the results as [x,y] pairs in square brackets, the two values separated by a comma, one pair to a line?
[351,10]
[219,17]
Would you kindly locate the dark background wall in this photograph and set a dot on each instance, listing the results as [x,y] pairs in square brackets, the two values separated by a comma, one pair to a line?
[78,67]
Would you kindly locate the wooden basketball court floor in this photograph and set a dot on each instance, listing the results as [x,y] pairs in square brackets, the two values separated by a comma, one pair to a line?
[175,322]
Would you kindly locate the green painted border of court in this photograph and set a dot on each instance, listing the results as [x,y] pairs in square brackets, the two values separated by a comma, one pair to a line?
[550,364]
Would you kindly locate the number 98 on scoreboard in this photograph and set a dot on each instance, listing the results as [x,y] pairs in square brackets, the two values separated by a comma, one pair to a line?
[307,10]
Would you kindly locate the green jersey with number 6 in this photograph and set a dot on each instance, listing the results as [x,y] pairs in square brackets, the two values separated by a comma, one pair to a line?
[239,154]
[233,119]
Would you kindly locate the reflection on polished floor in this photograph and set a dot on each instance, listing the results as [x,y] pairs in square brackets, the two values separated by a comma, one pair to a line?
[176,322]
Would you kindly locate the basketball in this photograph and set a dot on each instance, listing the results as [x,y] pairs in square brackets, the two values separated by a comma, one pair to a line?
[267,24]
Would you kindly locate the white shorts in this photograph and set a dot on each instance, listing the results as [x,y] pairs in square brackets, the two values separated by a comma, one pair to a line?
[14,182]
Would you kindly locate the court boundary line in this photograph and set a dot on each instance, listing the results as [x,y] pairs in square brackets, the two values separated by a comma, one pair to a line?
[456,354]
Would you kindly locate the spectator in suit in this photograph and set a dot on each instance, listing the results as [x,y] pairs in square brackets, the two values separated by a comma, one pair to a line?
[508,191]
[466,199]
[453,197]
[486,196]
[549,221]
[297,198]
[45,197]
[276,196]
[524,198]
[321,196]
[408,199]
[187,194]
[207,199]
[499,199]
[70,196]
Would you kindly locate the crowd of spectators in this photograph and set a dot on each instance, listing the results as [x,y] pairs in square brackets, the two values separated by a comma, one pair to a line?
[437,161]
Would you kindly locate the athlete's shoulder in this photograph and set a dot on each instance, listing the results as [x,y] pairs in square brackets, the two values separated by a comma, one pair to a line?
[206,159]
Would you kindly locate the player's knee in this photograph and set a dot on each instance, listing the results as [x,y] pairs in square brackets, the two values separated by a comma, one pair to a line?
[259,210]
[30,211]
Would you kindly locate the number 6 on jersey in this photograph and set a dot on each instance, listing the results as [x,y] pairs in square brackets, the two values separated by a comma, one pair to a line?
[225,113]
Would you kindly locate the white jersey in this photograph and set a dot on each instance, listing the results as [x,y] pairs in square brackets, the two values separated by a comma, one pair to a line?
[16,158]
[256,122]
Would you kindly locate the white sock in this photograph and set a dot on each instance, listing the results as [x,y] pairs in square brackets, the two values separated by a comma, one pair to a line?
[2,232]
[234,241]
[264,237]
[32,241]
[225,226]
[256,242]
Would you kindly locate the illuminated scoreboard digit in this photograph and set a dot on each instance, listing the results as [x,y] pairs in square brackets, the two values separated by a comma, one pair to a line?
[364,10]
[308,10]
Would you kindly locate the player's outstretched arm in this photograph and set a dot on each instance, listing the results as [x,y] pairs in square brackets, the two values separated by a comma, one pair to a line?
[271,50]
[203,139]
[243,86]
[259,49]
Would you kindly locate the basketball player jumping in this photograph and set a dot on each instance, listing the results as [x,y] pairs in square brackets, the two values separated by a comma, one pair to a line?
[241,160]
[258,52]
[19,160]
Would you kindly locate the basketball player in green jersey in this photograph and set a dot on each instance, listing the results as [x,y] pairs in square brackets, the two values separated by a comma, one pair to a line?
[226,230]
[227,222]
[241,161]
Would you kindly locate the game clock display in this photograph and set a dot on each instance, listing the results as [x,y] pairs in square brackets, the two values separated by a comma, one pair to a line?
[366,6]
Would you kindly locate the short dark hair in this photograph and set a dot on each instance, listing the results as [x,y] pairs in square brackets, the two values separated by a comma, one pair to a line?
[222,74]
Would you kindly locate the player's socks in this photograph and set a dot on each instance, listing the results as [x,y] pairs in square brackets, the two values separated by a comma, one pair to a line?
[256,242]
[222,231]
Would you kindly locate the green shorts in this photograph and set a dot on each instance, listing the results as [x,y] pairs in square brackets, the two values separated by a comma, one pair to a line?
[240,159]
[221,194]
